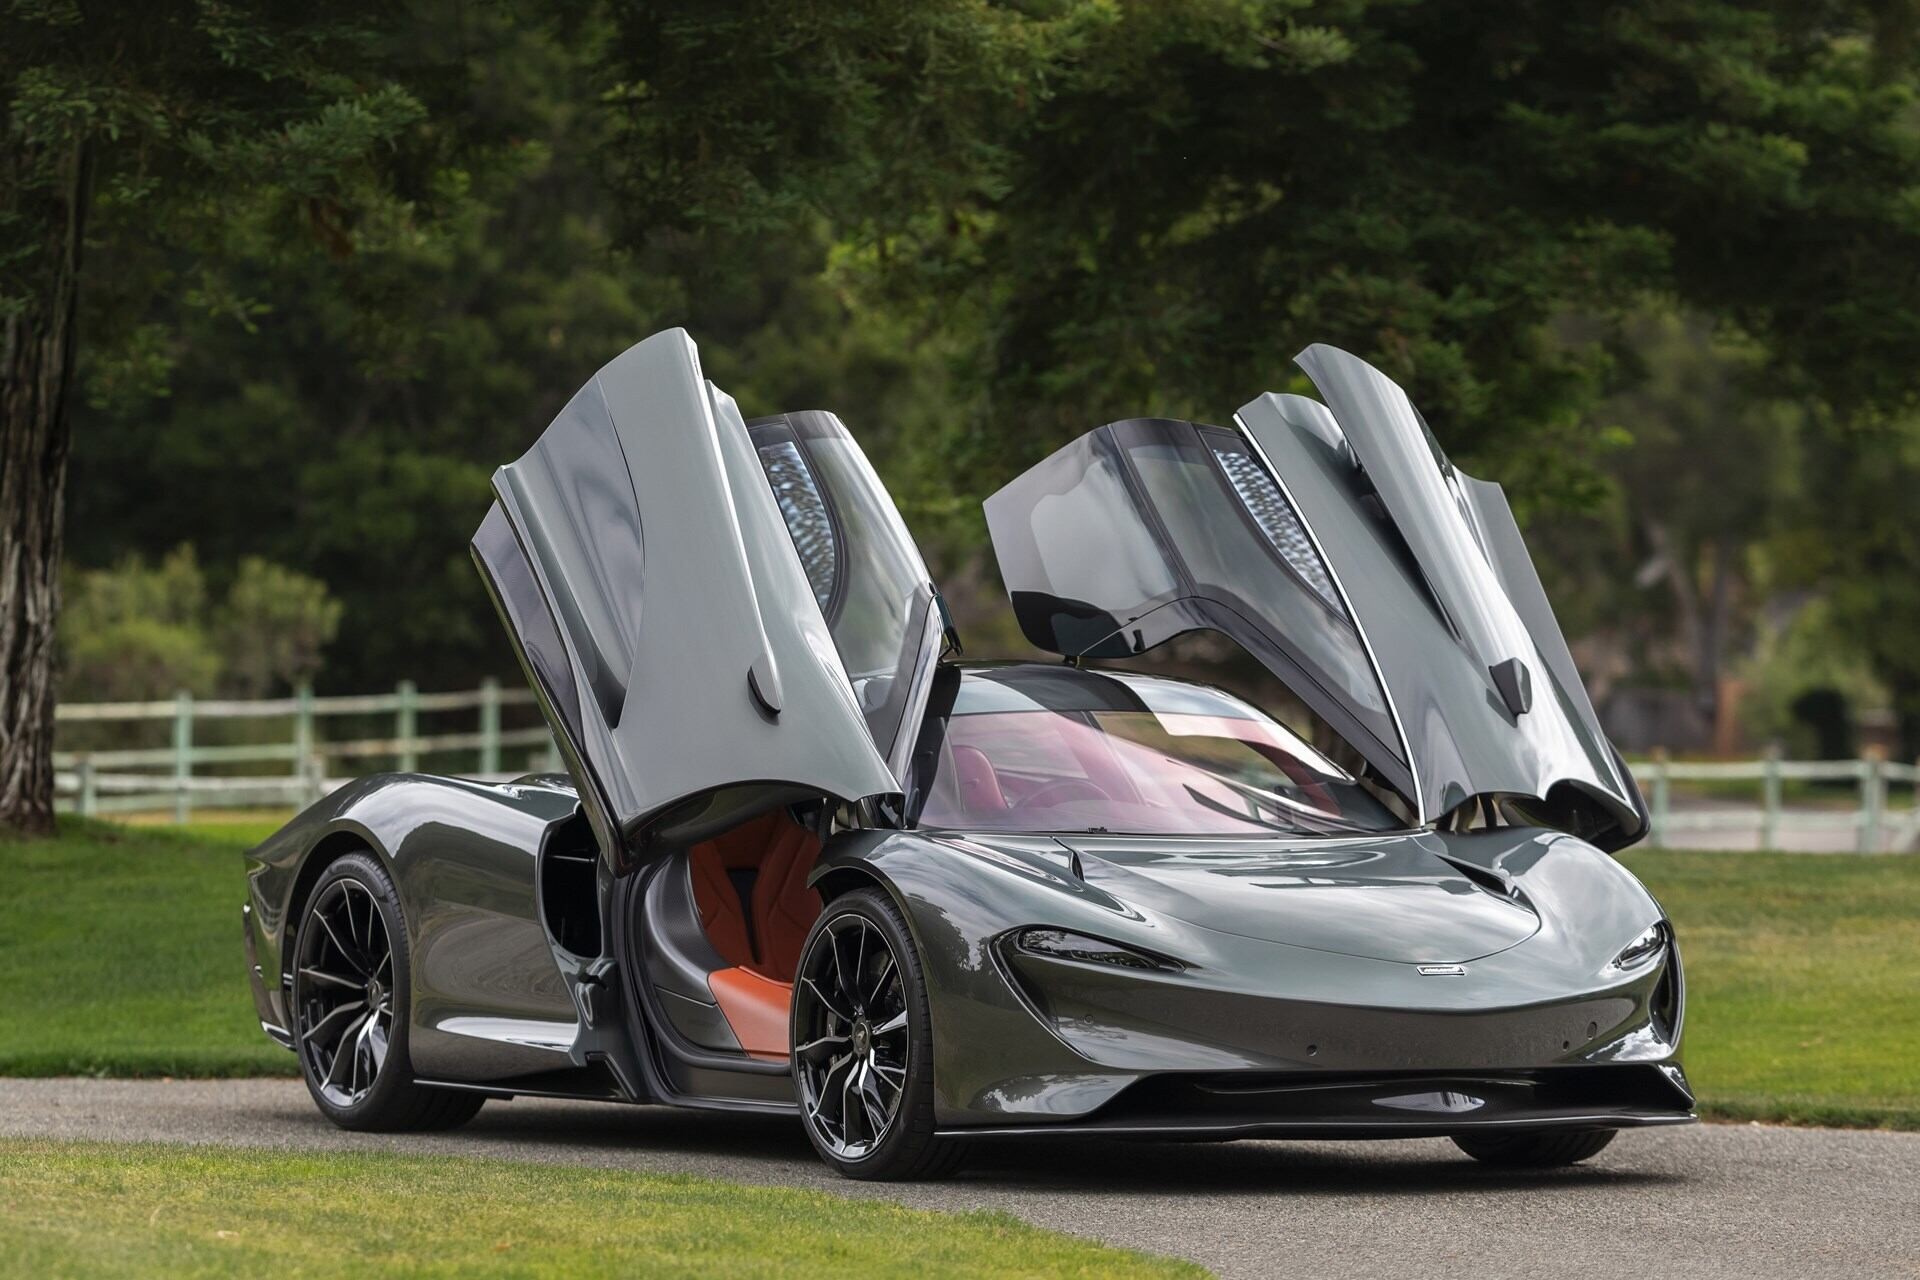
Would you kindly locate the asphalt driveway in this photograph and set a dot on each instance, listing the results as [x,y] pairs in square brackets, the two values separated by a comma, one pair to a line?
[1708,1200]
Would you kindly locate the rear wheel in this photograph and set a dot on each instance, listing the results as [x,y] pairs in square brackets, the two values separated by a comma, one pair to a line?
[863,1045]
[1539,1150]
[350,1007]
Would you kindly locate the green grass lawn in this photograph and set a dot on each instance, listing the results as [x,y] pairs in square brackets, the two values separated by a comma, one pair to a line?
[98,1209]
[120,954]
[1803,982]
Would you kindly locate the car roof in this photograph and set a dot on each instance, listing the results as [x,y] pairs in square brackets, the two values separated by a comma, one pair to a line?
[1054,686]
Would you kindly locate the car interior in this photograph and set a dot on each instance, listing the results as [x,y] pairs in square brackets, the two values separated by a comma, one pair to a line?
[724,922]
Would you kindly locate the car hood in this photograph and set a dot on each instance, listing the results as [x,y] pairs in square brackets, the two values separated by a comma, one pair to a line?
[1397,897]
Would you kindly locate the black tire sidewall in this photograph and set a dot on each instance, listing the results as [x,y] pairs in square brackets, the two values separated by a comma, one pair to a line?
[878,909]
[396,1077]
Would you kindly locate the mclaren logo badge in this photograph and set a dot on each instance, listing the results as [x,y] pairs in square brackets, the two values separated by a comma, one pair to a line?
[1443,970]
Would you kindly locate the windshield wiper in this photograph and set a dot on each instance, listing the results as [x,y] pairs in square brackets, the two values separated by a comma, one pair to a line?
[1208,802]
[1292,818]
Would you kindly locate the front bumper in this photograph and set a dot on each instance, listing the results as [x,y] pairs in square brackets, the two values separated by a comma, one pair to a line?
[1408,1104]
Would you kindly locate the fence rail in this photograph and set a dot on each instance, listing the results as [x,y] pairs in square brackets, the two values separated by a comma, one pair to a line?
[1872,825]
[144,779]
[113,781]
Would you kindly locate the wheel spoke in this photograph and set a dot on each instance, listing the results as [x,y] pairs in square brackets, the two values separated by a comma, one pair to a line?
[350,957]
[373,916]
[377,1046]
[317,974]
[847,991]
[829,1005]
[880,983]
[820,1042]
[846,1109]
[874,1108]
[898,1022]
[342,1050]
[344,1007]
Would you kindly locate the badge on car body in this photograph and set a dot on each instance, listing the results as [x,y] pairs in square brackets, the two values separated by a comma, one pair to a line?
[1442,970]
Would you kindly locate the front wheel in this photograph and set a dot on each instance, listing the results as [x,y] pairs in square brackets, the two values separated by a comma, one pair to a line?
[350,984]
[1538,1150]
[862,1042]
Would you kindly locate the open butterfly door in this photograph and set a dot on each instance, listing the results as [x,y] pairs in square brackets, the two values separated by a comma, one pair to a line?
[714,619]
[1338,545]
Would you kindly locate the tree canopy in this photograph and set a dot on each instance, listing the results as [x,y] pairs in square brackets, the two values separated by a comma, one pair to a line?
[1656,267]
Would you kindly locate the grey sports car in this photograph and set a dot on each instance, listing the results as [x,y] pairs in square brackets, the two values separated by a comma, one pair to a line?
[804,862]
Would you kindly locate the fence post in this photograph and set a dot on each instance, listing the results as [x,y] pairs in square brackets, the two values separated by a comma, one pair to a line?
[313,774]
[89,790]
[182,755]
[302,726]
[1662,785]
[403,726]
[553,763]
[1770,799]
[1873,794]
[489,726]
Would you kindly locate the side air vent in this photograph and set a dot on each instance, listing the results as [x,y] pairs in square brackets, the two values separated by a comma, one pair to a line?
[1481,876]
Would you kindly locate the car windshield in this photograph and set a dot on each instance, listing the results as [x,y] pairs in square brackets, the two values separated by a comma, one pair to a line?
[1139,772]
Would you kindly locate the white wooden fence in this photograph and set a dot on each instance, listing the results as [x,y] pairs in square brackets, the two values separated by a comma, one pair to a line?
[1872,824]
[148,779]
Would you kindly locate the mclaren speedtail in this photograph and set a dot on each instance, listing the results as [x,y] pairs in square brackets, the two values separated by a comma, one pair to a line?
[803,861]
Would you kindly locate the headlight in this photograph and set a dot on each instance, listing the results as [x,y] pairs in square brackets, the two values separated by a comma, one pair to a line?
[1644,949]
[1058,944]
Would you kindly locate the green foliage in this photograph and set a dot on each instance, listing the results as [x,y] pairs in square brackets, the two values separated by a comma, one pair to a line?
[138,631]
[164,117]
[273,627]
[1809,652]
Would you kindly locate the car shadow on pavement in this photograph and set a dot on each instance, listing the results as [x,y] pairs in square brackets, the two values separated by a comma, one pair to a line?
[724,1141]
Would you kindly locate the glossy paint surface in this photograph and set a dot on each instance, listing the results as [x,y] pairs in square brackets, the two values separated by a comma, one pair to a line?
[1338,545]
[488,999]
[693,653]
[1355,968]
[1470,604]
[1023,1037]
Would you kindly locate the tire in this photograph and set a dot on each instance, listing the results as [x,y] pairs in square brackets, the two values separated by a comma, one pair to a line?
[352,1044]
[838,1023]
[1540,1150]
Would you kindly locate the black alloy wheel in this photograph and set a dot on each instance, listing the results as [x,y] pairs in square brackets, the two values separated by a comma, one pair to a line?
[350,1005]
[862,1045]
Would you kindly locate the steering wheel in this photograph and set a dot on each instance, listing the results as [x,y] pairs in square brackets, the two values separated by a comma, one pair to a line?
[1060,792]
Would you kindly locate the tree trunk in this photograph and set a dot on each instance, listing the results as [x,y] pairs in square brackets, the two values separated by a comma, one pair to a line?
[36,366]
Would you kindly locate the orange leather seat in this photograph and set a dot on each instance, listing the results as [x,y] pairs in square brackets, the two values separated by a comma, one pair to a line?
[766,931]
[761,937]
[756,1008]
